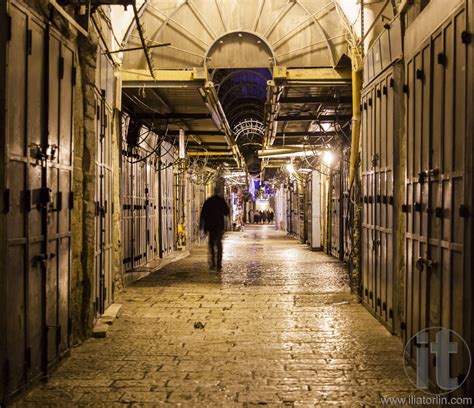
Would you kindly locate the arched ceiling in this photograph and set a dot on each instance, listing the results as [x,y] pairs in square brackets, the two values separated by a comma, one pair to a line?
[300,33]
[266,71]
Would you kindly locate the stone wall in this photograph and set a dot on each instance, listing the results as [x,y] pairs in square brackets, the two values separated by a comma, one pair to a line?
[84,189]
[84,173]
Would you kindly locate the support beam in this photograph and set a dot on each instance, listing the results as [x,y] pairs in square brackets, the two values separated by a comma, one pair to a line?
[141,33]
[124,3]
[302,134]
[210,151]
[198,133]
[166,116]
[325,118]
[229,154]
[207,145]
[138,78]
[282,74]
[315,99]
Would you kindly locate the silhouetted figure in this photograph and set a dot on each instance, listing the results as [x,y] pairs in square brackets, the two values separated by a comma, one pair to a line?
[267,216]
[256,217]
[212,221]
[272,215]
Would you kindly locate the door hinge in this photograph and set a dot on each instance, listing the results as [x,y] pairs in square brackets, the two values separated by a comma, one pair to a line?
[26,198]
[9,27]
[42,259]
[28,357]
[29,41]
[442,59]
[418,207]
[6,200]
[403,326]
[466,37]
[59,201]
[45,196]
[61,68]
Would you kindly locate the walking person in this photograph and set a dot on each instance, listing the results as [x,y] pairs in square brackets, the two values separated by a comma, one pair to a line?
[256,217]
[212,221]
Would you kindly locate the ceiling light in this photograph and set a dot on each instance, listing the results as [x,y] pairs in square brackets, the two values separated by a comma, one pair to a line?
[328,158]
[290,168]
[325,126]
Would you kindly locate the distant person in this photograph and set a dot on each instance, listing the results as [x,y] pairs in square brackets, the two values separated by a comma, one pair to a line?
[256,217]
[267,216]
[272,216]
[212,221]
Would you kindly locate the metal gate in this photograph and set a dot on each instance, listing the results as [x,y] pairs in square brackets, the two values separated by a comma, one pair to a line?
[335,216]
[139,207]
[439,79]
[104,94]
[380,124]
[195,197]
[37,198]
[151,192]
[302,218]
[167,199]
[313,209]
[347,210]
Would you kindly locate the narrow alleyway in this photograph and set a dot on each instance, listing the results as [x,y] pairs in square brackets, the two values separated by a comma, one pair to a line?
[280,326]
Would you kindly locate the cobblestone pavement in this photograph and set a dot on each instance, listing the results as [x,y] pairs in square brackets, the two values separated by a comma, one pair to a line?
[280,328]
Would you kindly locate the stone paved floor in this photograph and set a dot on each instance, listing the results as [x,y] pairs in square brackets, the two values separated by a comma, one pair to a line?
[280,328]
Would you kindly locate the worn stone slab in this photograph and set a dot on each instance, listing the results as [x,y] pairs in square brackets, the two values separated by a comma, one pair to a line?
[280,329]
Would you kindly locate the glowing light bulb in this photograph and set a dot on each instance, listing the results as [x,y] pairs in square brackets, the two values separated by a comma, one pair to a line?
[328,158]
[290,168]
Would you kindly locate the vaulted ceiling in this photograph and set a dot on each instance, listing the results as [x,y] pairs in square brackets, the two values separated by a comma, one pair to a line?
[254,74]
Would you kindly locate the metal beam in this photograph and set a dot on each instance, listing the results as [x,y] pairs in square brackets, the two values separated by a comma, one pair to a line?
[302,134]
[69,18]
[100,2]
[132,78]
[207,145]
[315,99]
[141,33]
[194,149]
[325,118]
[156,115]
[198,133]
[284,74]
[138,48]
[230,154]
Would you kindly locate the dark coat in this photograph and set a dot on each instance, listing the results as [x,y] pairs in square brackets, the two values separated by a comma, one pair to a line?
[212,214]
